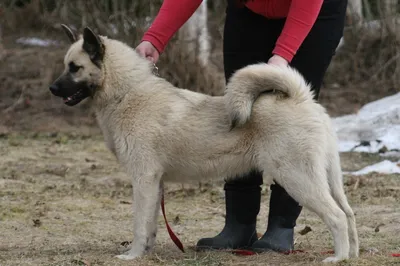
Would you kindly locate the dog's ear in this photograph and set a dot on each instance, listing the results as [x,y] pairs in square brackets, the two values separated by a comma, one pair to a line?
[70,34]
[92,45]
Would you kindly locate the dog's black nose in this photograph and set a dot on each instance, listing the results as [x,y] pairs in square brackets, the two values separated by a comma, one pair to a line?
[53,88]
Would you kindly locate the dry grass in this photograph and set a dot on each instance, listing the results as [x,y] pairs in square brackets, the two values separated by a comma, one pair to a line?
[64,201]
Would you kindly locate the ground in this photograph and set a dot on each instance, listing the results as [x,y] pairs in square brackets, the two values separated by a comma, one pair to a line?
[65,201]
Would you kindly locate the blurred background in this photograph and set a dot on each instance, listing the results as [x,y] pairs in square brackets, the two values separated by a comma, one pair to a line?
[64,200]
[365,68]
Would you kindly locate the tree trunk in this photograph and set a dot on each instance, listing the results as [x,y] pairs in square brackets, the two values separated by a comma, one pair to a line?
[1,44]
[388,13]
[196,36]
[354,11]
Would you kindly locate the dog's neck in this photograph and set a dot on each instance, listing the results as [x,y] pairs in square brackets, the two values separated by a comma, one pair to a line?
[123,71]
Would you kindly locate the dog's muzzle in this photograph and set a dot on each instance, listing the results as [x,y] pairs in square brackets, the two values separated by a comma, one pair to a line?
[72,93]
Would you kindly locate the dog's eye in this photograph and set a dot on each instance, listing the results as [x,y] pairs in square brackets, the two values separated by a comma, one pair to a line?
[73,68]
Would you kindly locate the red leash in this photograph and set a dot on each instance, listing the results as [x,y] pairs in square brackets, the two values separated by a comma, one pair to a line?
[174,238]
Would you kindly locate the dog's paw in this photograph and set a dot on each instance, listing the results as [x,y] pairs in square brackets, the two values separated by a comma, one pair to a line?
[130,255]
[332,260]
[126,257]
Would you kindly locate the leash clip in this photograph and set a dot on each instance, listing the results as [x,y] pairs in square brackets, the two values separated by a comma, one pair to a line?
[155,70]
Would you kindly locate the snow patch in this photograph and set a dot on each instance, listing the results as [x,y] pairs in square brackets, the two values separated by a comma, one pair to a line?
[384,167]
[33,41]
[374,127]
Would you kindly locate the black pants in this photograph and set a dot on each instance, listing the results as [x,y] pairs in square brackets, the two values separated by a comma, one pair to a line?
[250,38]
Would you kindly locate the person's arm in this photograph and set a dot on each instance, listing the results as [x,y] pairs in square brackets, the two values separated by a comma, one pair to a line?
[172,15]
[301,18]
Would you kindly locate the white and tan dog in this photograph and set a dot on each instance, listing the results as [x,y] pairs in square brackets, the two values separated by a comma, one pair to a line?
[267,120]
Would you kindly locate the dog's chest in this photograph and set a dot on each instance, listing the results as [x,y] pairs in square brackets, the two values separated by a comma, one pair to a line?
[103,123]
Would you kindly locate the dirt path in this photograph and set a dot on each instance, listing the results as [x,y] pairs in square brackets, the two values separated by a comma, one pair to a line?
[64,201]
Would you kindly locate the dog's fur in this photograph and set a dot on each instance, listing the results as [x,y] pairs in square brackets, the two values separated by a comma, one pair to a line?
[267,120]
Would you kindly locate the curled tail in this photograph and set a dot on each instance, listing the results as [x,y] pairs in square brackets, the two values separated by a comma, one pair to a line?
[248,83]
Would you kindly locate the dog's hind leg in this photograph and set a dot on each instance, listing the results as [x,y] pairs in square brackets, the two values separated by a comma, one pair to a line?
[311,190]
[146,206]
[335,180]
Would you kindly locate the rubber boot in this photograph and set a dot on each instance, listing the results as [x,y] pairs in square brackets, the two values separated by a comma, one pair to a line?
[242,204]
[283,213]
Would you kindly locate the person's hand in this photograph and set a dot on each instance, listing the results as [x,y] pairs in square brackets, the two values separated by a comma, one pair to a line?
[278,61]
[148,51]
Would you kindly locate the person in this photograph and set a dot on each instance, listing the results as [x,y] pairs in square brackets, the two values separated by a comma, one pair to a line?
[302,34]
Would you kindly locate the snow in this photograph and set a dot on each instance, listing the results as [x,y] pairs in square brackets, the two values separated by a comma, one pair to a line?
[33,41]
[375,128]
[377,124]
[384,167]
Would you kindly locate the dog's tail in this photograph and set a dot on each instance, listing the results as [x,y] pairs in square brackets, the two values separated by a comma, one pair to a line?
[248,83]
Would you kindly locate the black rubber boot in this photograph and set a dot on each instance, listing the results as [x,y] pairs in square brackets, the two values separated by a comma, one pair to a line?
[242,203]
[283,213]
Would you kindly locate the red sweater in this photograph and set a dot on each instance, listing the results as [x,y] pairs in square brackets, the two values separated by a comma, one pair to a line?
[300,14]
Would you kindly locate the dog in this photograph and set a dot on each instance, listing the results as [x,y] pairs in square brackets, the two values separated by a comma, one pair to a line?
[267,119]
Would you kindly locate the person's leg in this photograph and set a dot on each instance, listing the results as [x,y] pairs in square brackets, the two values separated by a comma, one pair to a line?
[243,45]
[312,61]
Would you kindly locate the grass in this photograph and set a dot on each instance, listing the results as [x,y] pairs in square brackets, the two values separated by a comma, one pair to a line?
[68,203]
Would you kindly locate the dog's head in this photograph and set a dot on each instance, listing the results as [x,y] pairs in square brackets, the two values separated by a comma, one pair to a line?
[82,75]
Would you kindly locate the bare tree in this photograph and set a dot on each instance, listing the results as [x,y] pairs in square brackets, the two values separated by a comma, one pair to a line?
[355,8]
[195,33]
[388,13]
[1,45]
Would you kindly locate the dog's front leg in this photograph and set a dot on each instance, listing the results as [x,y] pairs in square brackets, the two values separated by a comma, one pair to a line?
[146,205]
